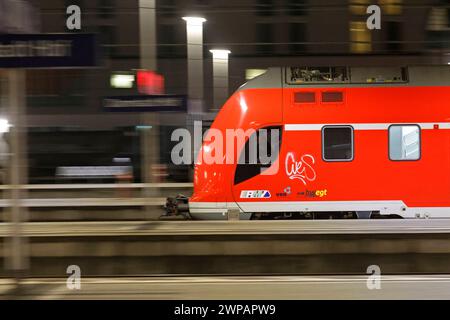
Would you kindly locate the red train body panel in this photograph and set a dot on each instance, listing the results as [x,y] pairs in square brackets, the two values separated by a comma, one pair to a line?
[376,120]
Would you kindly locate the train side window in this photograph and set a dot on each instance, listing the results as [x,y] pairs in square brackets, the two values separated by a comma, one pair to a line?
[404,142]
[248,166]
[337,143]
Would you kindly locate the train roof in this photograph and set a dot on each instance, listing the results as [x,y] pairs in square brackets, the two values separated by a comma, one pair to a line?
[286,77]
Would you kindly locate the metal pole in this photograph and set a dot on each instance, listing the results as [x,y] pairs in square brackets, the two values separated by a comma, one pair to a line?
[148,57]
[220,77]
[17,258]
[194,32]
[195,77]
[147,25]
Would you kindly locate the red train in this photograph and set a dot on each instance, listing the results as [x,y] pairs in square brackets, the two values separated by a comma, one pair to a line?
[353,143]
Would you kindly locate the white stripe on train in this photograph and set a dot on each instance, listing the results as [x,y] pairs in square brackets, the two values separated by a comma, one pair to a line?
[364,126]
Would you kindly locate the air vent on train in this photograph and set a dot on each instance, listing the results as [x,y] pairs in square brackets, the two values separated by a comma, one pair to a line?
[333,97]
[304,97]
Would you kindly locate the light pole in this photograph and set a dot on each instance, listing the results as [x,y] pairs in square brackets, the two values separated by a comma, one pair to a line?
[4,150]
[18,258]
[147,33]
[220,76]
[148,61]
[194,31]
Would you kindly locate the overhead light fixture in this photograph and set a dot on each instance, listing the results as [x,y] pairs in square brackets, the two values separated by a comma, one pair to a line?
[4,126]
[122,81]
[220,54]
[194,20]
[143,127]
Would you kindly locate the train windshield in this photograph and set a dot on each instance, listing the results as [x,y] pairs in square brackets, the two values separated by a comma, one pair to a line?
[258,154]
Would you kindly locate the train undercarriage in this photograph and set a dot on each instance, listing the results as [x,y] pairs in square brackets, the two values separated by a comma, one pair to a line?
[330,215]
[179,205]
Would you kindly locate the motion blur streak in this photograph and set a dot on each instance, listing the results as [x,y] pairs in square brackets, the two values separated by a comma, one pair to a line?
[236,288]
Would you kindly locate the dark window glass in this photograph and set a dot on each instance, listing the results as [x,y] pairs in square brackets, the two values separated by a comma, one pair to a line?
[338,143]
[304,97]
[249,167]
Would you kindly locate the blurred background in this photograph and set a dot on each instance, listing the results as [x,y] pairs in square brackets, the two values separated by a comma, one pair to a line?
[68,125]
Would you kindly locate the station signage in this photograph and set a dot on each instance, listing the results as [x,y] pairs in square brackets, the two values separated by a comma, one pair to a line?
[146,103]
[64,50]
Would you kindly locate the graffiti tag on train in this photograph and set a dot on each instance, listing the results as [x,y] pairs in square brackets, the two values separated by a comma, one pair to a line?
[302,169]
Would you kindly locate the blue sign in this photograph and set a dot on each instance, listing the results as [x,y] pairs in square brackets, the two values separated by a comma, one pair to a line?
[152,103]
[66,50]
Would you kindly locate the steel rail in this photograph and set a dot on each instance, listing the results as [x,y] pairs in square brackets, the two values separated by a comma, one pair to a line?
[222,228]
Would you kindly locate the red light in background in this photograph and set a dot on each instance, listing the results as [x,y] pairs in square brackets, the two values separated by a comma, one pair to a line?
[149,82]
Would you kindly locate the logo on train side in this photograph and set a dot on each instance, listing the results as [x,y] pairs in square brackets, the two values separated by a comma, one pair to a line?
[255,194]
[300,169]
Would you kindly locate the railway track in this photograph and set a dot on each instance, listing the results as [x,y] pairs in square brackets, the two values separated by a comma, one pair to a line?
[235,247]
[240,228]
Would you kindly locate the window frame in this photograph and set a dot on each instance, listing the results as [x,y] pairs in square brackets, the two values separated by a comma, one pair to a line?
[280,144]
[389,141]
[352,142]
